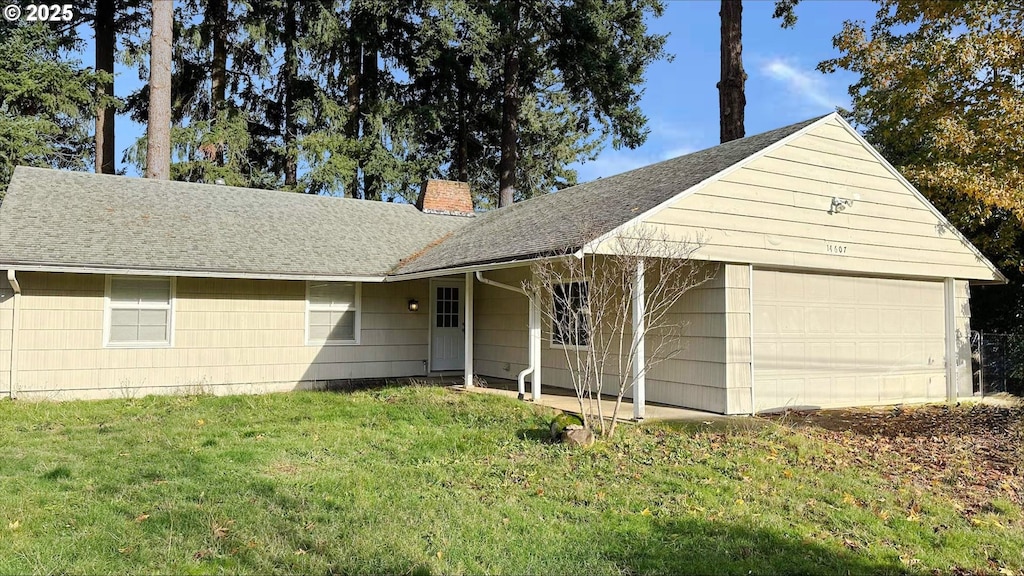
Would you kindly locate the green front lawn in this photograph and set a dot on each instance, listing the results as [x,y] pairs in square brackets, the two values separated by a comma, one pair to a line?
[424,480]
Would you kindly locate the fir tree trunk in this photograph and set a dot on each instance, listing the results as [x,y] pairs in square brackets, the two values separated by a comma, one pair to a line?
[370,104]
[291,71]
[354,54]
[731,97]
[509,162]
[105,39]
[158,129]
[217,13]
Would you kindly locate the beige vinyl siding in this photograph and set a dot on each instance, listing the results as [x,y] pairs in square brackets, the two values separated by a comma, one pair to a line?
[774,212]
[693,375]
[231,336]
[6,325]
[501,325]
[965,372]
[826,341]
[738,341]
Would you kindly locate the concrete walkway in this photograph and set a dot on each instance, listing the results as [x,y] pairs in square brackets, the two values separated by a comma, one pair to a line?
[565,400]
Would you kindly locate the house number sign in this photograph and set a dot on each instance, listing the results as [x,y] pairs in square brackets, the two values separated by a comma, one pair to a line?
[835,248]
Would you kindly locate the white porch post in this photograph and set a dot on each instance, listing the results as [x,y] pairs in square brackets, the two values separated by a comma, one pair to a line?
[468,324]
[951,351]
[640,360]
[535,344]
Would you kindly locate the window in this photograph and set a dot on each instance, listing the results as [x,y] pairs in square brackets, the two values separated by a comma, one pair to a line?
[139,311]
[570,326]
[447,308]
[332,313]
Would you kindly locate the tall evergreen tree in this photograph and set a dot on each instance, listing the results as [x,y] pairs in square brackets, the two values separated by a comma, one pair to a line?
[732,98]
[47,101]
[158,128]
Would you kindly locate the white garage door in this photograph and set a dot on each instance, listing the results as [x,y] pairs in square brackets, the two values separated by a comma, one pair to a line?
[830,341]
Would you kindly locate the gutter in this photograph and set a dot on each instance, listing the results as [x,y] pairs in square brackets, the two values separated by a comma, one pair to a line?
[15,317]
[529,345]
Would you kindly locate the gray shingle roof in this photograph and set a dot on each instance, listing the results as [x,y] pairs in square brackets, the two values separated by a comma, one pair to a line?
[81,220]
[78,219]
[574,216]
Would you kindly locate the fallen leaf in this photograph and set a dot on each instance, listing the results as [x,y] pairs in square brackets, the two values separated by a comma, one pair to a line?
[141,518]
[439,554]
[787,473]
[221,531]
[200,422]
[14,525]
[1007,572]
[645,512]
[300,552]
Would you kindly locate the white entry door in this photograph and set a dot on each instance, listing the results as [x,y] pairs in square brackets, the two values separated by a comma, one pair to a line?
[447,335]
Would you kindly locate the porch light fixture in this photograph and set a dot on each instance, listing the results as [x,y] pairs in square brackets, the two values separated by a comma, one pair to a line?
[414,305]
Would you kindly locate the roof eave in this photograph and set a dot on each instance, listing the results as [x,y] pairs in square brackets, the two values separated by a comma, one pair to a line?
[227,274]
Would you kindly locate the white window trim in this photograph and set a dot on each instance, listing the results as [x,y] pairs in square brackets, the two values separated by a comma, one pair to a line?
[552,345]
[171,305]
[358,322]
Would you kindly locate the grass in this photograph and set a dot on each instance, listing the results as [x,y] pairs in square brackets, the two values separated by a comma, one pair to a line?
[417,480]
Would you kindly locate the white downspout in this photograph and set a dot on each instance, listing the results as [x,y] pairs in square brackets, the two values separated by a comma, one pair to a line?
[640,359]
[468,323]
[531,347]
[15,318]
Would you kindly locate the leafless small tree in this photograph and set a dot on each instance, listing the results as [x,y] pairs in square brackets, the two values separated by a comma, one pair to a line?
[588,303]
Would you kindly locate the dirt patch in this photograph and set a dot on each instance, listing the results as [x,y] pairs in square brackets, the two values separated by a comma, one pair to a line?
[975,450]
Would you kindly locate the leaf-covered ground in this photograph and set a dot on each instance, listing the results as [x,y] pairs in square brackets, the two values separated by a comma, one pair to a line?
[418,480]
[973,452]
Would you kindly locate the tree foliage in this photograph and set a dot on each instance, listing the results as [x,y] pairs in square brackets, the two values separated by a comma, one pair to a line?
[590,302]
[941,95]
[47,101]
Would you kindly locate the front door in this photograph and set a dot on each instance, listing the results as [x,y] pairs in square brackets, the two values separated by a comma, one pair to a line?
[447,339]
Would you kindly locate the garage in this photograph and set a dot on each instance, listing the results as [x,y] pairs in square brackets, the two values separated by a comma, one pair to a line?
[824,340]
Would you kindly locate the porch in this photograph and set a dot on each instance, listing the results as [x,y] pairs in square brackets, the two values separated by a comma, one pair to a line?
[565,400]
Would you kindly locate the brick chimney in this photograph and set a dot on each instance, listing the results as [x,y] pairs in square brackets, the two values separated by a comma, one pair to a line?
[446,197]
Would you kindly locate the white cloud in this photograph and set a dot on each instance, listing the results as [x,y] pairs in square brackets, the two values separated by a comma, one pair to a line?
[806,84]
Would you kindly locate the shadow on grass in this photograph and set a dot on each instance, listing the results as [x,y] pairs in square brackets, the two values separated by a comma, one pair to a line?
[690,546]
[369,384]
[539,435]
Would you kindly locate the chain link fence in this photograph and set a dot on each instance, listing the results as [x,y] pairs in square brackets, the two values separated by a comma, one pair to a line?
[998,363]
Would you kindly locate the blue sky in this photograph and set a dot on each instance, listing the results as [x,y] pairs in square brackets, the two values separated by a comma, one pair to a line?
[681,101]
[783,87]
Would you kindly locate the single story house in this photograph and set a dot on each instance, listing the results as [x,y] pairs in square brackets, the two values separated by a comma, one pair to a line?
[837,283]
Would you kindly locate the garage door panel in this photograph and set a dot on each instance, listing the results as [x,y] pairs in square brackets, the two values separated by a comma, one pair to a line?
[817,290]
[845,321]
[867,321]
[867,293]
[766,320]
[825,340]
[819,320]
